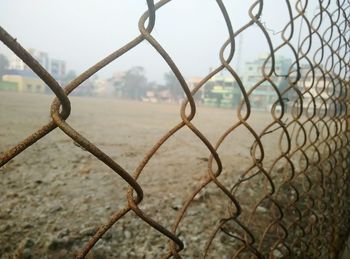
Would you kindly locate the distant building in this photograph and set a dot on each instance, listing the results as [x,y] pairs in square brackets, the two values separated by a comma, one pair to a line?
[42,57]
[192,82]
[8,86]
[221,91]
[158,93]
[24,84]
[151,96]
[17,64]
[103,88]
[254,69]
[58,69]
[22,79]
[264,95]
[318,89]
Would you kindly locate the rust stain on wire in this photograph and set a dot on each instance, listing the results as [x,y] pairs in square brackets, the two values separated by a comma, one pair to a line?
[298,221]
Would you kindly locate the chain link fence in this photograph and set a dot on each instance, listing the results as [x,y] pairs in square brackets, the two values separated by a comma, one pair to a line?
[295,205]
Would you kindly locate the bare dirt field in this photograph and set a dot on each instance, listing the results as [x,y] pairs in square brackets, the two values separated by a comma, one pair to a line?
[54,195]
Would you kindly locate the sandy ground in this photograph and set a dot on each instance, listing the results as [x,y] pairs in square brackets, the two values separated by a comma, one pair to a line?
[54,195]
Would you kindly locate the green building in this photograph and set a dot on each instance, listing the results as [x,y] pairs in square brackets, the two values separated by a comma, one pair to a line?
[8,86]
[221,91]
[264,95]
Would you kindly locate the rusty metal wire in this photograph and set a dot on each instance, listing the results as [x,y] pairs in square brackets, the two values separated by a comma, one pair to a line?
[300,209]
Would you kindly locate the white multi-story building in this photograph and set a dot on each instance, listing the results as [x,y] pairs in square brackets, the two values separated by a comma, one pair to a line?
[24,79]
[57,68]
[17,64]
[264,94]
[254,72]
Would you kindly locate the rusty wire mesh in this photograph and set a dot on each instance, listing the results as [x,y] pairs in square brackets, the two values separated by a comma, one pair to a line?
[299,206]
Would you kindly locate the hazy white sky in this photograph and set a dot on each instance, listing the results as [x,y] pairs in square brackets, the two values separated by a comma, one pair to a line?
[81,32]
